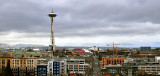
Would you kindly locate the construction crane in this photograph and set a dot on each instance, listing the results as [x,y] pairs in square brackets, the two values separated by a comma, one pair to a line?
[113,44]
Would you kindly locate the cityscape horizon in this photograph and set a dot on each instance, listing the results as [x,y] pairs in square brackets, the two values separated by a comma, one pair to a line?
[79,38]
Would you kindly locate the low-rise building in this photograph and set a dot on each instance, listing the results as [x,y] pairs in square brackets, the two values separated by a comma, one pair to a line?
[111,61]
[3,63]
[41,70]
[63,67]
[19,66]
[76,66]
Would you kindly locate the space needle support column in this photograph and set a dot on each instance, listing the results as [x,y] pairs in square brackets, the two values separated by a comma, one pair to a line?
[52,15]
[52,34]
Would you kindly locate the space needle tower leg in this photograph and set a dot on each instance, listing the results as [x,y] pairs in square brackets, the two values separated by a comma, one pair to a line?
[52,15]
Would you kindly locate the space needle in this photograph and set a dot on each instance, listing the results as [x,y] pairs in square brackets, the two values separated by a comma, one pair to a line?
[52,15]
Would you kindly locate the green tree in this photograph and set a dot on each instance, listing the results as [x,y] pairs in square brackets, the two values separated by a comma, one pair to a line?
[28,74]
[30,50]
[7,70]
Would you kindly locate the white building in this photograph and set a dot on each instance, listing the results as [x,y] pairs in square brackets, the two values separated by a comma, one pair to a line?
[57,67]
[94,48]
[150,69]
[36,49]
[157,59]
[62,66]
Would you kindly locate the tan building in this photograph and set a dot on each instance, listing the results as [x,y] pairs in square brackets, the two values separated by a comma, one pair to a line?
[21,54]
[19,66]
[3,63]
[76,66]
[24,62]
[22,65]
[47,54]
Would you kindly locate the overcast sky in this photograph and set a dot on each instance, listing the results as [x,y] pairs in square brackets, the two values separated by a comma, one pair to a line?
[81,22]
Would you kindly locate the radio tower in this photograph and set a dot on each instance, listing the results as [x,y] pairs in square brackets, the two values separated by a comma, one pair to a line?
[52,15]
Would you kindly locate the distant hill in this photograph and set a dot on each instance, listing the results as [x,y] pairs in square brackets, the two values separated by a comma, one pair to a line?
[27,45]
[46,47]
[20,45]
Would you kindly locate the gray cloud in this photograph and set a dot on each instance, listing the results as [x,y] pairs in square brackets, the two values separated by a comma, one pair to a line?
[81,18]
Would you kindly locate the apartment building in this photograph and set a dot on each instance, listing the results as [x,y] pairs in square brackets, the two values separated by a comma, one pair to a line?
[150,67]
[57,67]
[41,70]
[76,66]
[24,62]
[19,66]
[3,63]
[63,67]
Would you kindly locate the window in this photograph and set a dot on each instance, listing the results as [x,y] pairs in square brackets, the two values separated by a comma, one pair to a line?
[3,61]
[8,60]
[50,64]
[50,69]
[21,61]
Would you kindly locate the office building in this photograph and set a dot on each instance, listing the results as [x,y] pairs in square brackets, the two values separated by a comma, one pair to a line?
[145,49]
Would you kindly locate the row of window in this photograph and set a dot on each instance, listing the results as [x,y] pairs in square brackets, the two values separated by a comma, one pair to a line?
[151,67]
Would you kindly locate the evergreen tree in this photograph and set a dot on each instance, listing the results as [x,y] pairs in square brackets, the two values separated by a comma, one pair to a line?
[28,73]
[8,71]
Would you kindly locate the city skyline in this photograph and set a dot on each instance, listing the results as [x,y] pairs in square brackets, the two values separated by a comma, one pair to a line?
[81,23]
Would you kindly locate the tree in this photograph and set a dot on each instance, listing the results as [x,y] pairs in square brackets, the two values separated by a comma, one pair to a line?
[30,50]
[8,71]
[28,74]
